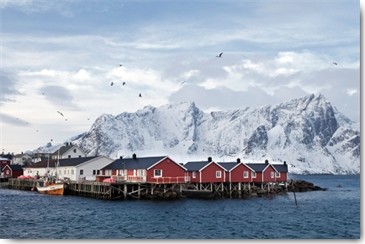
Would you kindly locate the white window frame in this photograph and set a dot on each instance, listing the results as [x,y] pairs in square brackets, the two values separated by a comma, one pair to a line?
[218,174]
[155,171]
[272,175]
[194,174]
[245,174]
[253,174]
[277,174]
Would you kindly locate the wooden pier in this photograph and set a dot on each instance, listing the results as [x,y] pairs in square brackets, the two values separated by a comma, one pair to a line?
[135,190]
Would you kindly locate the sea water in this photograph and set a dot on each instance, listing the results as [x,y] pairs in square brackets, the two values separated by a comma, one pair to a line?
[331,214]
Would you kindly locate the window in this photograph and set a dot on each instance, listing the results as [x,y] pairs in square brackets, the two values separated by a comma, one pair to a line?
[81,171]
[218,174]
[245,174]
[72,171]
[194,174]
[140,172]
[253,174]
[277,174]
[94,171]
[98,172]
[157,173]
[272,175]
[69,156]
[74,150]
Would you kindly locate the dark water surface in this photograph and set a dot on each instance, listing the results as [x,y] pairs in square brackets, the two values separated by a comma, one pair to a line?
[331,214]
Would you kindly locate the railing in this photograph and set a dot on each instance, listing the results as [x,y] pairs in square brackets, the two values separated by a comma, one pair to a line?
[129,178]
[167,180]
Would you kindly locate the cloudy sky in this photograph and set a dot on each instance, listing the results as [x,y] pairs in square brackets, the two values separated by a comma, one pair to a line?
[64,55]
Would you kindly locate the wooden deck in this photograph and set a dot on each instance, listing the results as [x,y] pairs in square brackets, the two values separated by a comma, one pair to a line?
[159,190]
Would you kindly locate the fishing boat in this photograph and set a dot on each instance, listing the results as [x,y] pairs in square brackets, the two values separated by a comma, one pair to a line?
[51,188]
[51,184]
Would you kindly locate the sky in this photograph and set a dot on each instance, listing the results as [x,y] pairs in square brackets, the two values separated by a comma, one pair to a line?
[63,63]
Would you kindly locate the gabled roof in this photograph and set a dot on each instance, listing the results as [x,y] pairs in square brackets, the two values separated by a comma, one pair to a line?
[134,163]
[195,165]
[200,165]
[281,167]
[13,167]
[260,167]
[257,167]
[62,162]
[228,165]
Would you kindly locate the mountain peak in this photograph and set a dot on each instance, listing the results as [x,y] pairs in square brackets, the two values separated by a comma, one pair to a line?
[303,131]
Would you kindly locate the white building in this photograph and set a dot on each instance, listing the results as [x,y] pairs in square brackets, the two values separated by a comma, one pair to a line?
[75,169]
[68,151]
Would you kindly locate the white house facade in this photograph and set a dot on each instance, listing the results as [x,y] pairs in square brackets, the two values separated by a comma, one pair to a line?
[74,169]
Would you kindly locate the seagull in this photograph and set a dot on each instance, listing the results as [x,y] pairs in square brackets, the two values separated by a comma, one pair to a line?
[120,65]
[220,55]
[334,63]
[111,84]
[60,113]
[123,83]
[140,95]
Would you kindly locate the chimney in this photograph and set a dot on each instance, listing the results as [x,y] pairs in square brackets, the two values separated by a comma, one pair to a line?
[238,160]
[266,161]
[209,159]
[284,162]
[134,156]
[121,157]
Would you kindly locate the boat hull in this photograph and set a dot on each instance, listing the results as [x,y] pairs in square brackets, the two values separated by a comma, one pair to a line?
[56,189]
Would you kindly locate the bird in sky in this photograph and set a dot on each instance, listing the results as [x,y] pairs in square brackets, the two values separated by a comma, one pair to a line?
[111,84]
[220,55]
[140,95]
[120,65]
[334,63]
[123,83]
[60,113]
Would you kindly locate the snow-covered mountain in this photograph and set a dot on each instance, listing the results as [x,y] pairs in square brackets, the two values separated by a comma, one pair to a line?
[308,133]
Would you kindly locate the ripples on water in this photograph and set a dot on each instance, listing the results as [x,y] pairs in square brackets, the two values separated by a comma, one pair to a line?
[332,214]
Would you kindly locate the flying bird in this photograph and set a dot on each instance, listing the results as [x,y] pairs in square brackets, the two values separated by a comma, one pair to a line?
[334,63]
[120,65]
[111,84]
[220,55]
[123,83]
[140,95]
[60,113]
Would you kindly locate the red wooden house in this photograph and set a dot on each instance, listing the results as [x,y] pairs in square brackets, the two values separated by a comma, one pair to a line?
[160,169]
[12,171]
[282,172]
[264,173]
[205,171]
[237,172]
[4,162]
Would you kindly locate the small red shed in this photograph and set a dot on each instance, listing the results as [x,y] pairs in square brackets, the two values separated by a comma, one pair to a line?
[12,171]
[205,171]
[237,172]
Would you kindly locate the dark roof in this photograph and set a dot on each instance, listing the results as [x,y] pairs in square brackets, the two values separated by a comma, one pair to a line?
[281,167]
[228,165]
[16,167]
[257,167]
[63,162]
[195,165]
[134,163]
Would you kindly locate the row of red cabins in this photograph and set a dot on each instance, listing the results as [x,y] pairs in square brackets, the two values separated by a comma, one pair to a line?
[163,169]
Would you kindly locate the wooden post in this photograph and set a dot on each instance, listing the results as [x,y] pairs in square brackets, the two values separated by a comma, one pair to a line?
[125,191]
[139,191]
[239,189]
[295,198]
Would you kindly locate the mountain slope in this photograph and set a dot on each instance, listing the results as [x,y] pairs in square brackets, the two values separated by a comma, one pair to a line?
[308,133]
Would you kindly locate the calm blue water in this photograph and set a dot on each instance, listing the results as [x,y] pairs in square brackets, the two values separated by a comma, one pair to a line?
[332,214]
